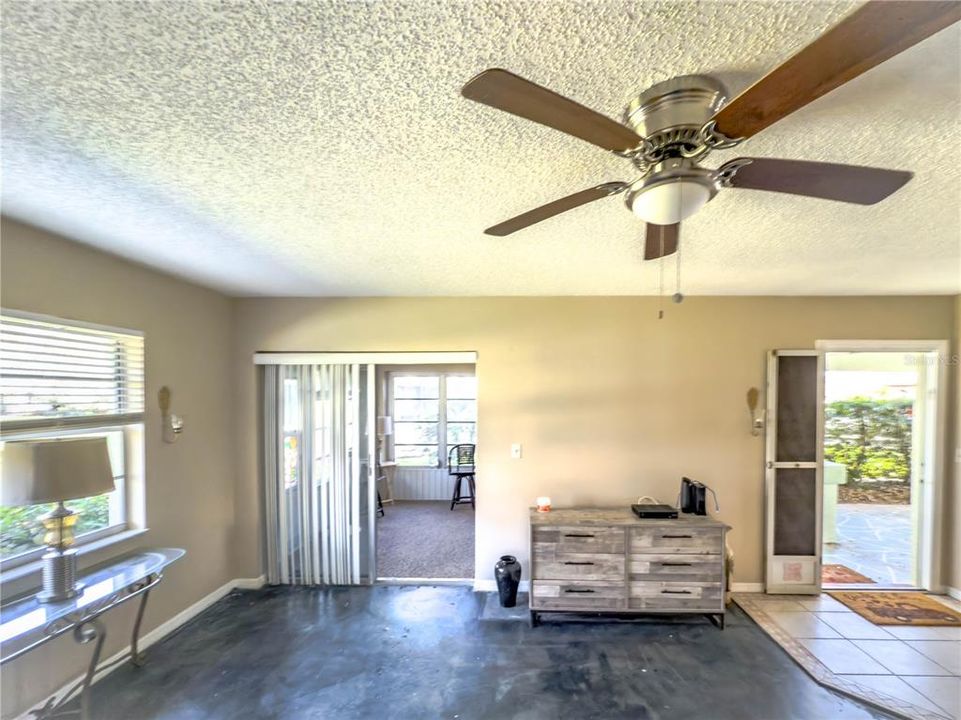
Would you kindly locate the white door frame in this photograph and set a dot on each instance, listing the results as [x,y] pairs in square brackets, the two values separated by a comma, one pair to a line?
[932,499]
[371,360]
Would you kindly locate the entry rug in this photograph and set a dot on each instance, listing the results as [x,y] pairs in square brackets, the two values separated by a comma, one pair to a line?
[898,608]
[842,575]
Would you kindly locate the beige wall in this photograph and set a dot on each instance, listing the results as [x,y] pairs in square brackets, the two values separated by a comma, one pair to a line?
[189,485]
[609,402]
[952,558]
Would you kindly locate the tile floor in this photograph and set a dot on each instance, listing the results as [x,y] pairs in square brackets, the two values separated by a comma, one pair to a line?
[917,665]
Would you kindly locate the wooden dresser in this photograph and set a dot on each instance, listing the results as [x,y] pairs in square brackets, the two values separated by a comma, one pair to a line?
[597,560]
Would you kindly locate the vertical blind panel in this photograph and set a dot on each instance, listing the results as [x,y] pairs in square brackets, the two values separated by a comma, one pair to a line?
[51,369]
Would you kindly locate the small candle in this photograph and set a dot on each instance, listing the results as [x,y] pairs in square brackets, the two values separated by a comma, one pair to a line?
[543,504]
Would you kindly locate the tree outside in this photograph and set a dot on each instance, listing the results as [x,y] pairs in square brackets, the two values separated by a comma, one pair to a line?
[21,530]
[872,439]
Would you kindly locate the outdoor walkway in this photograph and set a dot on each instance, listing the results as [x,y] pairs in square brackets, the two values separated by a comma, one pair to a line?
[874,540]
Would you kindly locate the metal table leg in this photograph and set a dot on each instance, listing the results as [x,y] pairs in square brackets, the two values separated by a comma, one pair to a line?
[86,627]
[137,657]
[92,630]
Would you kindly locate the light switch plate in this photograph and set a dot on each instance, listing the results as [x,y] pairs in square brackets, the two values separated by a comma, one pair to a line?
[516,451]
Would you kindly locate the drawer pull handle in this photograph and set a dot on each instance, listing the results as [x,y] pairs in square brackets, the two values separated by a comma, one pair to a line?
[572,562]
[574,590]
[676,592]
[677,537]
[675,564]
[578,535]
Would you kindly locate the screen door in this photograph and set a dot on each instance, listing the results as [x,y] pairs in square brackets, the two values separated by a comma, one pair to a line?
[793,471]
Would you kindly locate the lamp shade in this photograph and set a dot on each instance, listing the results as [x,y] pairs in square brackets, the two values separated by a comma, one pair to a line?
[42,471]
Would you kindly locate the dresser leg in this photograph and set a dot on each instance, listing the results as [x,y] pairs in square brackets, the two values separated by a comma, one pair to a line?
[533,619]
[717,620]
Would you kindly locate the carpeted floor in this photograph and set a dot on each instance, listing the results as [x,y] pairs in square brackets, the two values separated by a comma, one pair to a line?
[425,539]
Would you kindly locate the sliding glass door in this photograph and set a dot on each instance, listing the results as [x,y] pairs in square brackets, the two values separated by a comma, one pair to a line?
[318,473]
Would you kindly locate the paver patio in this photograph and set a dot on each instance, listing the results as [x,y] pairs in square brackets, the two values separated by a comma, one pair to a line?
[874,540]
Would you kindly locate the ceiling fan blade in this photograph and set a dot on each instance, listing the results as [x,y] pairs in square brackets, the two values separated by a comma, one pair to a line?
[845,183]
[511,93]
[661,240]
[867,37]
[555,208]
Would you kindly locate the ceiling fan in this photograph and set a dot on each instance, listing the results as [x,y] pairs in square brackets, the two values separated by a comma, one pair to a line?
[676,123]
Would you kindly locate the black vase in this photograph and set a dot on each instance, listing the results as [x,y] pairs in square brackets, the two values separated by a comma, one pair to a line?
[507,571]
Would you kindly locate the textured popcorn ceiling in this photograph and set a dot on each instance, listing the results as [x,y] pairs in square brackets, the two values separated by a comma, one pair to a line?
[322,148]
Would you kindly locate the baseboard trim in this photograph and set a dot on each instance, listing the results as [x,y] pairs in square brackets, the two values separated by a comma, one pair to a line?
[160,632]
[953,592]
[747,587]
[424,581]
[491,586]
[250,583]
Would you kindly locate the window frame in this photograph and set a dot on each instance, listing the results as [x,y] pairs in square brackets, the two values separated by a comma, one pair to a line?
[131,425]
[441,426]
[443,447]
[473,422]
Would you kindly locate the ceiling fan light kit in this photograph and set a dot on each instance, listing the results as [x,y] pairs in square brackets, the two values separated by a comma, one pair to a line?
[675,190]
[673,125]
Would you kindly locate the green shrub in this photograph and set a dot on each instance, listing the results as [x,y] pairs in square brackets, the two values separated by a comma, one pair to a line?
[21,530]
[872,438]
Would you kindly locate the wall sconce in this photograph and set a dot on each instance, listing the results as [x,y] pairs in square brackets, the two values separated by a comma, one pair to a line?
[172,425]
[757,421]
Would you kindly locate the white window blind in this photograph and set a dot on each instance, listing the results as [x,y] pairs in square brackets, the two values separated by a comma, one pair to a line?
[73,374]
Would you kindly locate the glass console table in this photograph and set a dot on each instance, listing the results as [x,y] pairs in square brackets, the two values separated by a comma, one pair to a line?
[26,624]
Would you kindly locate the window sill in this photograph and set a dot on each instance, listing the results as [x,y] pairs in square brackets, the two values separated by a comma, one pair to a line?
[27,577]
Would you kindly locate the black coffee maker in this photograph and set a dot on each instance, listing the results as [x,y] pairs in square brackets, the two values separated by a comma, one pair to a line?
[693,498]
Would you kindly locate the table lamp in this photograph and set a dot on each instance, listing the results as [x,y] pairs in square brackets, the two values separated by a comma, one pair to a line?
[44,471]
[385,427]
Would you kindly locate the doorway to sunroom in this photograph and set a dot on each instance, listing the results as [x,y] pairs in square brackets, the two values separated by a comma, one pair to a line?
[879,460]
[426,481]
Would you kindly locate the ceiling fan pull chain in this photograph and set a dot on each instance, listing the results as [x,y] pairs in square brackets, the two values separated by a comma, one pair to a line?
[660,277]
[677,297]
[660,272]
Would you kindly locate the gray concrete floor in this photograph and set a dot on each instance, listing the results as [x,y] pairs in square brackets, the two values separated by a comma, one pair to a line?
[875,540]
[421,652]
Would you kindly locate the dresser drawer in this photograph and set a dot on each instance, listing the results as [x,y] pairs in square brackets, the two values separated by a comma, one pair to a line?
[674,567]
[578,595]
[665,539]
[552,565]
[574,539]
[676,596]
